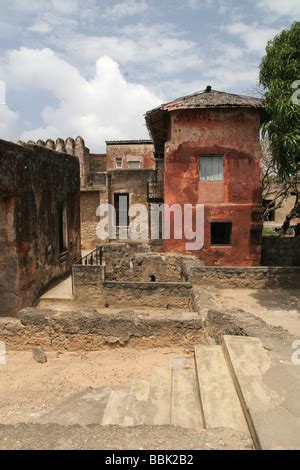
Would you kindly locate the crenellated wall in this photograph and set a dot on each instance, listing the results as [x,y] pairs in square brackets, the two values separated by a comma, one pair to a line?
[70,146]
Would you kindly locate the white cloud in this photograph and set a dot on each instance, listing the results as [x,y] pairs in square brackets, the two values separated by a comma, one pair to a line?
[104,107]
[288,8]
[126,8]
[36,6]
[8,123]
[65,6]
[40,27]
[254,37]
[155,47]
[220,5]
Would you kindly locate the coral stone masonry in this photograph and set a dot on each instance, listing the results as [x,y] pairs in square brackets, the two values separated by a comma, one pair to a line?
[39,223]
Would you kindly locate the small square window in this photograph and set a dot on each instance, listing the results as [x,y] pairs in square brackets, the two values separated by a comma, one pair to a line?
[134,165]
[211,167]
[221,233]
[119,162]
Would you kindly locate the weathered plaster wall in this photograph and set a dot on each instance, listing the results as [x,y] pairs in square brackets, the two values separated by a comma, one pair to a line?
[71,147]
[233,133]
[97,162]
[89,202]
[129,152]
[8,256]
[34,182]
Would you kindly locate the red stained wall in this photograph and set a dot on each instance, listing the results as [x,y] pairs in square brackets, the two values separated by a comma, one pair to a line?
[141,152]
[235,134]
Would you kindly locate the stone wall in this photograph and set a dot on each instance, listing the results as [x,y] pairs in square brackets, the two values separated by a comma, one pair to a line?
[38,187]
[134,262]
[118,257]
[89,289]
[89,202]
[88,330]
[97,162]
[244,277]
[70,146]
[142,151]
[8,257]
[281,251]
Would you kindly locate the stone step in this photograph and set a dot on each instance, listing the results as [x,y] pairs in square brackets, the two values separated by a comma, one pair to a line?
[159,403]
[220,402]
[116,407]
[269,391]
[137,403]
[185,404]
[183,363]
[83,408]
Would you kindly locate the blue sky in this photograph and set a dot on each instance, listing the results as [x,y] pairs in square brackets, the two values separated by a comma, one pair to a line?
[94,67]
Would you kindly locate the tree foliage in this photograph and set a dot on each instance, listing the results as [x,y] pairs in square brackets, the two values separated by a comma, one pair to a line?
[279,70]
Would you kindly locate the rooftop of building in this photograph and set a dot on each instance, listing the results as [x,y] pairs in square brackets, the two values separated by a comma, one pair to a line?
[156,119]
[130,142]
[210,98]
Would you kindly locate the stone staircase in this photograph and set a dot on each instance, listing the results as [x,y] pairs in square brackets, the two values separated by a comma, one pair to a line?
[219,387]
[196,393]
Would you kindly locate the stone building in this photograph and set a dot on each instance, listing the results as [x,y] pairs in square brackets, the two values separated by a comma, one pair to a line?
[204,150]
[127,170]
[209,142]
[39,221]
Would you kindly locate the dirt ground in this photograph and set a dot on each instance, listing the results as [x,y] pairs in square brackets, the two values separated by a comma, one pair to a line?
[28,388]
[275,307]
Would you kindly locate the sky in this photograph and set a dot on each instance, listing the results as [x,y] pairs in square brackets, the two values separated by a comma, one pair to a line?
[94,67]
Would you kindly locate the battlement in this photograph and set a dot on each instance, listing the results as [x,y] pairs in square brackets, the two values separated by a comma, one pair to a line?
[70,146]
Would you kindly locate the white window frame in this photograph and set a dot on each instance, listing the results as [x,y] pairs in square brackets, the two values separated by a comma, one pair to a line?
[119,162]
[134,161]
[210,177]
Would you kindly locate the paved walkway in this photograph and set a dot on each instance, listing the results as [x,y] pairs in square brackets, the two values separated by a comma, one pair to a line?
[63,290]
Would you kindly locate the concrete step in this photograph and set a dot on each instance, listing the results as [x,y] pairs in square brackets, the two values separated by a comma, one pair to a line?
[220,402]
[185,404]
[137,403]
[183,363]
[114,413]
[159,403]
[269,392]
[83,408]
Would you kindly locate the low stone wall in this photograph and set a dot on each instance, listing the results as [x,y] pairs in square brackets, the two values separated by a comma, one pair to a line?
[246,277]
[281,251]
[161,295]
[117,258]
[91,289]
[135,262]
[89,330]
